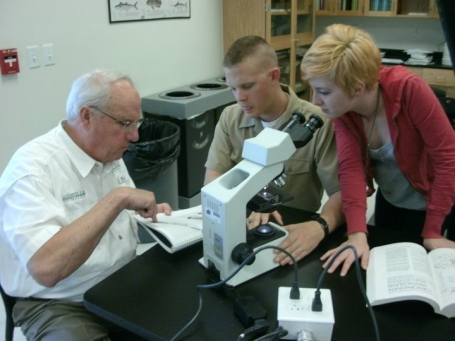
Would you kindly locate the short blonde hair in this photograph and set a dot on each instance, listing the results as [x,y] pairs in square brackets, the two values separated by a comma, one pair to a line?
[346,55]
[251,47]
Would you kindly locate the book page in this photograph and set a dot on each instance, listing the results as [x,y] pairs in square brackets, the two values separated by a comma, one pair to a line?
[442,262]
[179,230]
[400,271]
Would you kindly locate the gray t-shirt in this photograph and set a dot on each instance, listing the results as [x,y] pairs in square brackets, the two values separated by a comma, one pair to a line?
[394,186]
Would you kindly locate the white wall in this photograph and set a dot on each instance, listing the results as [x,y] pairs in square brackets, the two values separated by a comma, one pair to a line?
[158,54]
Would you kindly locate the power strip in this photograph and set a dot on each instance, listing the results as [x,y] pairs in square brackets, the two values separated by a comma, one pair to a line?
[296,315]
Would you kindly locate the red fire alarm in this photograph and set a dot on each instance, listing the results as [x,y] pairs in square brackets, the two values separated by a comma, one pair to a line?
[9,61]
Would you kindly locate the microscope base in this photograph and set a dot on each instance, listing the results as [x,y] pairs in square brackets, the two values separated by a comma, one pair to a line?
[263,262]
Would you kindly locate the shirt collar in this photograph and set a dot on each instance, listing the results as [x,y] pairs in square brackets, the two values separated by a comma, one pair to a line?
[247,121]
[81,160]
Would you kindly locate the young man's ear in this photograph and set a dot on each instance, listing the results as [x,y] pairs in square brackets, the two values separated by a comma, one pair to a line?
[275,74]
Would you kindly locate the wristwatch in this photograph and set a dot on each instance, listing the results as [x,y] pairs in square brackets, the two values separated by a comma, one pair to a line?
[323,223]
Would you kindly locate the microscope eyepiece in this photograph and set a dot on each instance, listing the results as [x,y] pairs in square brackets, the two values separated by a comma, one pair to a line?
[296,120]
[300,131]
[314,123]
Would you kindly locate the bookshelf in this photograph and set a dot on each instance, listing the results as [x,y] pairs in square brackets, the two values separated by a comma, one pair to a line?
[287,25]
[377,8]
[339,7]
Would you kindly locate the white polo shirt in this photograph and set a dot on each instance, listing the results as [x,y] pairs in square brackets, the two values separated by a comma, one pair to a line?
[48,183]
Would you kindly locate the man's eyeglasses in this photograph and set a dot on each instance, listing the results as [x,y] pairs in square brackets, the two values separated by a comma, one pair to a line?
[126,125]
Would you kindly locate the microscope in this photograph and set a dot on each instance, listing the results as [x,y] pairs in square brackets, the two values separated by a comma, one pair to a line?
[226,240]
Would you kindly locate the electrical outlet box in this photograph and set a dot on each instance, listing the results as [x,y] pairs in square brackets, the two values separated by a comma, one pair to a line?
[9,61]
[296,315]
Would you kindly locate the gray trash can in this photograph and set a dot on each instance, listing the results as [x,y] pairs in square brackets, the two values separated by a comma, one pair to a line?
[194,108]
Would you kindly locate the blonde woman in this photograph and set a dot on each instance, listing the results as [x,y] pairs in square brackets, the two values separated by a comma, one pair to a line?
[389,126]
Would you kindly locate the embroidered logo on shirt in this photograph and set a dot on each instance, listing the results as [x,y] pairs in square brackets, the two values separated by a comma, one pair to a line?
[74,196]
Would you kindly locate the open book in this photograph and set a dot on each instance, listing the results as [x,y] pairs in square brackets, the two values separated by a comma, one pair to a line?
[177,231]
[405,271]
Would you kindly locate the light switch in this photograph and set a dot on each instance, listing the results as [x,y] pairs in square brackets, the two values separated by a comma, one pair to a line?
[48,54]
[33,57]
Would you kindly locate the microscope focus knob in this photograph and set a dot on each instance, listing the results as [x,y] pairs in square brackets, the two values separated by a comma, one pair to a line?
[241,252]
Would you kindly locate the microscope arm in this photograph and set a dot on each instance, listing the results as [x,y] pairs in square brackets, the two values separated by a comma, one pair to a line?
[224,202]
[270,197]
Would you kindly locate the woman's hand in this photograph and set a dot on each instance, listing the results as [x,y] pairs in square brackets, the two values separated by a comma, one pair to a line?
[359,241]
[436,243]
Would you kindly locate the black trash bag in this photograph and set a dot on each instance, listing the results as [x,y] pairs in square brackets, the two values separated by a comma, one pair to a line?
[157,148]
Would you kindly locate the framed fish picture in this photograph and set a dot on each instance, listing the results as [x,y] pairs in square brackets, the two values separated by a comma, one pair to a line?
[137,10]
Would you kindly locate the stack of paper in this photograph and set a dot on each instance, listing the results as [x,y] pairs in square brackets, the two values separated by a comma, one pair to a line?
[392,61]
[419,57]
[446,56]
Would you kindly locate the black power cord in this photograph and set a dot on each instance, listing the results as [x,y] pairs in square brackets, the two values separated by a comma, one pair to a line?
[260,327]
[275,335]
[317,304]
[295,292]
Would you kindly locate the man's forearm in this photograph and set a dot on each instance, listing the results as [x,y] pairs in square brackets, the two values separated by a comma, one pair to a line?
[332,211]
[210,175]
[68,249]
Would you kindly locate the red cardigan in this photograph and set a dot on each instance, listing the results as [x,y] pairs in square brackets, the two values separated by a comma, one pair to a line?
[424,148]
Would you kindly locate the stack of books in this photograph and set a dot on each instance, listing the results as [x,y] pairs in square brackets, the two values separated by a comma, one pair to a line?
[380,5]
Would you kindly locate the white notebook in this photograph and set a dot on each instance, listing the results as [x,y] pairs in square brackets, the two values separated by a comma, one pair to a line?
[177,231]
